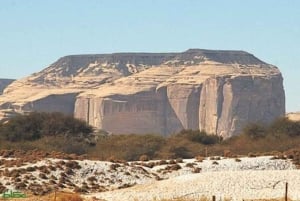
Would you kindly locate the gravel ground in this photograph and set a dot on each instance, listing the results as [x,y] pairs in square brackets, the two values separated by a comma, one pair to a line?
[238,179]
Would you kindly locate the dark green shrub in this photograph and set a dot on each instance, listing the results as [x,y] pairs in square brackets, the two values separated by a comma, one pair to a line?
[22,127]
[199,136]
[255,130]
[69,145]
[181,152]
[284,126]
[128,147]
[36,125]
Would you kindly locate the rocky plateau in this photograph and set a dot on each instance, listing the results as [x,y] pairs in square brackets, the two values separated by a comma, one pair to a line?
[212,90]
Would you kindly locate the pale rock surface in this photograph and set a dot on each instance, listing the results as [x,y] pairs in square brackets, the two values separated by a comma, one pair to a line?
[216,91]
[56,87]
[295,116]
[202,94]
[3,84]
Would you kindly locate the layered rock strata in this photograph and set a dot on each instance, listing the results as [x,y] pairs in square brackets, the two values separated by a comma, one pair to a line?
[215,91]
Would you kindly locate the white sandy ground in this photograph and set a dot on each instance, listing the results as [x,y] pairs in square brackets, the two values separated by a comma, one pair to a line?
[252,178]
[237,185]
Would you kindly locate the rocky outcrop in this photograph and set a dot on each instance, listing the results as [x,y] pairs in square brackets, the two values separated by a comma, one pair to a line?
[218,99]
[55,88]
[216,91]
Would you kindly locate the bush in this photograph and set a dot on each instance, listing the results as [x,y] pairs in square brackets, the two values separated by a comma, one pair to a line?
[144,157]
[281,127]
[181,152]
[69,145]
[199,136]
[36,125]
[22,127]
[255,130]
[128,147]
[284,126]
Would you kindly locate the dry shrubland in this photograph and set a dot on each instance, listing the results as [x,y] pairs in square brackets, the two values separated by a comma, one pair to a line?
[70,140]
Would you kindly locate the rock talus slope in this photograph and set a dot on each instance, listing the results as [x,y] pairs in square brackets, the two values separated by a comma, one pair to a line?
[216,91]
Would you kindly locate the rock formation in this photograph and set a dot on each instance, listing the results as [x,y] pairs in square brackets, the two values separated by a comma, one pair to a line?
[3,84]
[215,91]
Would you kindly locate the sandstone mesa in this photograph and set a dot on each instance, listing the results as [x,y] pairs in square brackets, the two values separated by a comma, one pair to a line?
[213,90]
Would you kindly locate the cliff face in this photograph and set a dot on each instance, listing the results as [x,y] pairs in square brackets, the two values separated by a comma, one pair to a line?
[218,99]
[216,91]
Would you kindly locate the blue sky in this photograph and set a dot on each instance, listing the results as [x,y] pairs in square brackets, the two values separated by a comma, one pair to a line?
[35,33]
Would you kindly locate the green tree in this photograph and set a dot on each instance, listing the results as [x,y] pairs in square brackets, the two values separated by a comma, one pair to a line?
[36,125]
[255,130]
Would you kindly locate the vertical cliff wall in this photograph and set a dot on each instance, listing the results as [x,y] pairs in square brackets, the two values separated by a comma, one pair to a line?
[53,103]
[144,112]
[250,99]
[217,103]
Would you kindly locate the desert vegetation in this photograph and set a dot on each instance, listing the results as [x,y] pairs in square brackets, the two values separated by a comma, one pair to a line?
[282,137]
[48,132]
[128,155]
[45,131]
[36,125]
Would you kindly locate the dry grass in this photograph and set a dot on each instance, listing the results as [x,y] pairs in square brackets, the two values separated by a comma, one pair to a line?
[179,147]
[147,147]
[155,147]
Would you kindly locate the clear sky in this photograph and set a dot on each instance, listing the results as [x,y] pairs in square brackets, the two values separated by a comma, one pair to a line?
[35,33]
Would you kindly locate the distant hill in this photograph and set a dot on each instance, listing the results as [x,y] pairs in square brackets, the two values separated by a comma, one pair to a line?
[295,116]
